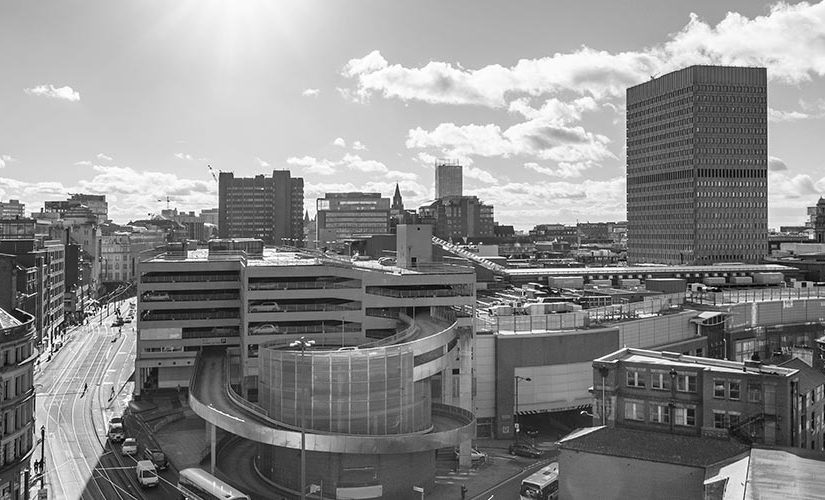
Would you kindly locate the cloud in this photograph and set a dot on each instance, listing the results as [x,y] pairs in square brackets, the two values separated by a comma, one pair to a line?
[310,92]
[541,138]
[788,41]
[565,170]
[355,162]
[183,156]
[358,146]
[776,164]
[64,93]
[83,163]
[313,165]
[340,142]
[4,159]
[262,163]
[479,175]
[104,157]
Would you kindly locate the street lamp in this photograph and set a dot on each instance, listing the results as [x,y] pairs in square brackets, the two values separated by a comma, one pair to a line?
[303,343]
[519,379]
[671,406]
[42,454]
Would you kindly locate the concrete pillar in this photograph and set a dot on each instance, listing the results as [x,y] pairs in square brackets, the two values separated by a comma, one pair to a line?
[212,441]
[465,385]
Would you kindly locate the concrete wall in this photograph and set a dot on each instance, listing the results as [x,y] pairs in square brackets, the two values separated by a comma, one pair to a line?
[484,371]
[661,330]
[515,354]
[588,475]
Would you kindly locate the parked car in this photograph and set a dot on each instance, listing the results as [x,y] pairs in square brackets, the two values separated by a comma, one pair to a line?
[264,329]
[531,431]
[157,457]
[525,450]
[265,307]
[475,455]
[118,322]
[116,433]
[147,473]
[129,447]
[150,296]
[116,420]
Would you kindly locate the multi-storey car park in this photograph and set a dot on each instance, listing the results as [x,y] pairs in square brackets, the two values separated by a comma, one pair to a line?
[364,401]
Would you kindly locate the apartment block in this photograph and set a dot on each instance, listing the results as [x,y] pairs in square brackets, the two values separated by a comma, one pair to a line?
[697,167]
[267,208]
[689,395]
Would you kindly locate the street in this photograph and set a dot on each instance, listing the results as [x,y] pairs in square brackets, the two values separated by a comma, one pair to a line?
[85,384]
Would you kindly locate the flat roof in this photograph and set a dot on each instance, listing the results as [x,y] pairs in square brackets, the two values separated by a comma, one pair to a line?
[785,473]
[578,271]
[7,320]
[692,451]
[672,359]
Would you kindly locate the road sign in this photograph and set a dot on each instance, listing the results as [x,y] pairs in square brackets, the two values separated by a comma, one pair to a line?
[418,489]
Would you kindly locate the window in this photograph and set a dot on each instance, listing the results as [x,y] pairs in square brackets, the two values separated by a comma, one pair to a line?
[719,420]
[660,380]
[754,392]
[718,388]
[635,378]
[660,413]
[634,410]
[684,416]
[733,390]
[686,382]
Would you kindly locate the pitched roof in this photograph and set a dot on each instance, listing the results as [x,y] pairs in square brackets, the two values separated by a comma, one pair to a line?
[809,377]
[654,446]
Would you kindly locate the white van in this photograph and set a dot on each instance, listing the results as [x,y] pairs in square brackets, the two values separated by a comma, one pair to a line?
[147,474]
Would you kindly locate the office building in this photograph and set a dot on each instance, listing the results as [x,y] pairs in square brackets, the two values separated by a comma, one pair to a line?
[95,205]
[12,209]
[448,179]
[343,216]
[697,167]
[458,217]
[17,441]
[816,220]
[370,391]
[268,208]
[689,395]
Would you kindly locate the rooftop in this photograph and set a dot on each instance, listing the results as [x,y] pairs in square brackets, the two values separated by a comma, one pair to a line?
[578,271]
[785,473]
[663,447]
[672,359]
[7,320]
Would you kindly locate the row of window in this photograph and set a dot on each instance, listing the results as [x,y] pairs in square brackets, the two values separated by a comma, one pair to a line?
[660,413]
[661,379]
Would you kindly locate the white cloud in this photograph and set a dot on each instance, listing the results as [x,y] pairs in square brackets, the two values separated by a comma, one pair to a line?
[355,162]
[262,163]
[788,41]
[397,174]
[183,156]
[358,146]
[539,137]
[565,170]
[313,165]
[83,163]
[310,92]
[104,157]
[5,159]
[64,93]
[479,175]
[340,142]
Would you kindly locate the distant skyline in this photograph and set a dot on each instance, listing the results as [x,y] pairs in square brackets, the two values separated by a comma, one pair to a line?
[133,99]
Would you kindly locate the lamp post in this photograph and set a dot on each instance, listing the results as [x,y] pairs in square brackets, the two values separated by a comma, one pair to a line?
[671,406]
[303,343]
[519,379]
[42,454]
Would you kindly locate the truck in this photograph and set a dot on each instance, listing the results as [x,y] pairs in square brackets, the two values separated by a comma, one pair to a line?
[768,278]
[714,281]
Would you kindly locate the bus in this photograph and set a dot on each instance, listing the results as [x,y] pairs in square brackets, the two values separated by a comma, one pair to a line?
[543,485]
[197,484]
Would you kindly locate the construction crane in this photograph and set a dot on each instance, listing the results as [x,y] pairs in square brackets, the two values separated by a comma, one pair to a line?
[212,171]
[168,200]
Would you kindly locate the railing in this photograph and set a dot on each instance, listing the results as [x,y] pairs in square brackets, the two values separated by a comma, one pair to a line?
[156,315]
[308,329]
[191,297]
[188,278]
[754,295]
[469,255]
[410,331]
[287,308]
[303,285]
[397,293]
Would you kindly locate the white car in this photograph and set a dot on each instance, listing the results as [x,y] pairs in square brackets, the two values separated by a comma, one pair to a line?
[475,455]
[147,474]
[129,447]
[264,329]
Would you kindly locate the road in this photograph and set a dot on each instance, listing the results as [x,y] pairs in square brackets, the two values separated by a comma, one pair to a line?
[80,463]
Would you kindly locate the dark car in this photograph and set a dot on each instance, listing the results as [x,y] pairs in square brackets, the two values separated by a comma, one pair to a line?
[531,431]
[525,450]
[157,457]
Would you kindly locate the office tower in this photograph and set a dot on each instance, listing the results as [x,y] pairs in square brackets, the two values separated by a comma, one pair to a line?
[458,217]
[697,166]
[268,208]
[448,178]
[347,215]
[12,209]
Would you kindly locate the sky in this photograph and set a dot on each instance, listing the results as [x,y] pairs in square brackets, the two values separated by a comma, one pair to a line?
[133,99]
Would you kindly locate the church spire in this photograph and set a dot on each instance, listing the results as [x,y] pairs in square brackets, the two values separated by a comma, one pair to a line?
[397,202]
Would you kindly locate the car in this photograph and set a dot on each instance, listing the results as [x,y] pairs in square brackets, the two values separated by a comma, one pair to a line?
[531,431]
[152,296]
[118,322]
[116,432]
[525,450]
[475,455]
[129,447]
[264,329]
[116,420]
[147,473]
[157,457]
[265,307]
